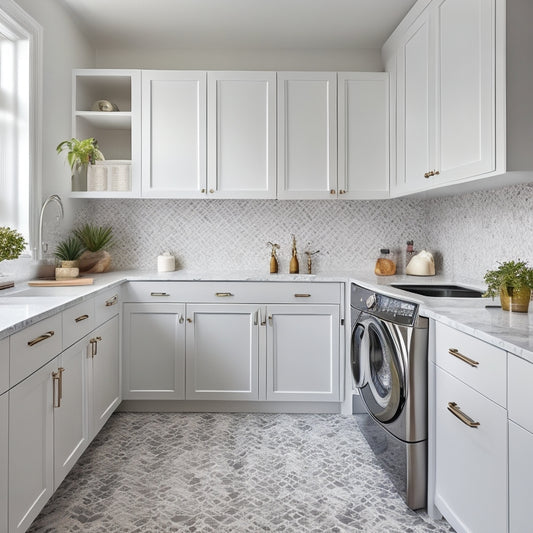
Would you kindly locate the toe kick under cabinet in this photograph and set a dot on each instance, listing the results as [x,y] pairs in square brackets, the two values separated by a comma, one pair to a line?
[253,341]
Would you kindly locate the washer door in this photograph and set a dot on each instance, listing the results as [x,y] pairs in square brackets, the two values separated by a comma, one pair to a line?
[383,388]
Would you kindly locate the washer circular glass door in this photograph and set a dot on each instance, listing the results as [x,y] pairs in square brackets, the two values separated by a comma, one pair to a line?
[383,390]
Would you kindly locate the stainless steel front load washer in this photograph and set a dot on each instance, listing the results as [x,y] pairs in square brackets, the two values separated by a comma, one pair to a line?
[389,364]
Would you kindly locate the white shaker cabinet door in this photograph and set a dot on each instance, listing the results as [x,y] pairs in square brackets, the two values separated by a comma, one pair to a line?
[174,134]
[31,440]
[414,104]
[222,352]
[307,135]
[241,132]
[303,361]
[363,166]
[70,412]
[465,88]
[103,374]
[4,432]
[154,351]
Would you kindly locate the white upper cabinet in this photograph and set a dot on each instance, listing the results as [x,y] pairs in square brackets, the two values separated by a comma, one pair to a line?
[363,151]
[462,71]
[241,134]
[174,134]
[118,132]
[307,135]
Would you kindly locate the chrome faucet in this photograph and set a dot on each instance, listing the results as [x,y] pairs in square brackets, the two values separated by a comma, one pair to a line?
[42,246]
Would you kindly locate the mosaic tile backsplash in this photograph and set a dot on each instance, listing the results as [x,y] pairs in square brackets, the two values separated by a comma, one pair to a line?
[467,233]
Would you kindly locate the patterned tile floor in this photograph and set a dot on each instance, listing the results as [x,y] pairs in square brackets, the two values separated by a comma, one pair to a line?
[173,472]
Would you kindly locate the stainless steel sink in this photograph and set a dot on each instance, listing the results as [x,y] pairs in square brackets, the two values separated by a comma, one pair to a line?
[439,291]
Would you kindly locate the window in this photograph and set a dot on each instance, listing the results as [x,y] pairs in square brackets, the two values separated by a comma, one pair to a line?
[20,82]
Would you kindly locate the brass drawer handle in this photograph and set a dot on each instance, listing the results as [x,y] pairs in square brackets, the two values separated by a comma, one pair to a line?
[159,294]
[41,338]
[455,352]
[223,294]
[465,419]
[81,318]
[56,399]
[302,295]
[112,301]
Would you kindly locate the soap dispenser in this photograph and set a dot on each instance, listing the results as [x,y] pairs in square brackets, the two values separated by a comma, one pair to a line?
[273,257]
[294,267]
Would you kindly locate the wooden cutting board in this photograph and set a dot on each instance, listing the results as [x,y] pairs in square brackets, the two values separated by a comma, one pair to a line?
[60,282]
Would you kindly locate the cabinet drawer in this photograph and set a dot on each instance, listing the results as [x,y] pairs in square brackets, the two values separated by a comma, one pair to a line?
[32,347]
[471,462]
[520,392]
[78,320]
[233,292]
[107,305]
[4,365]
[486,370]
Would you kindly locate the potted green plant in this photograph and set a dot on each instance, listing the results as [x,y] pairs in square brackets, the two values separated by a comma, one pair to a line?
[68,252]
[95,239]
[80,155]
[512,281]
[12,244]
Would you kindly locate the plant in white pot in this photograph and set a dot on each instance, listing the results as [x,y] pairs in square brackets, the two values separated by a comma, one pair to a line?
[95,239]
[69,252]
[81,154]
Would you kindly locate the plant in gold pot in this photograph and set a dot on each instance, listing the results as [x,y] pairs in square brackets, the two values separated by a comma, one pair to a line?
[69,252]
[95,240]
[512,281]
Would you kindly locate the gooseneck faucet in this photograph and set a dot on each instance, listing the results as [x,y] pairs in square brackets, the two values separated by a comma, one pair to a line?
[42,246]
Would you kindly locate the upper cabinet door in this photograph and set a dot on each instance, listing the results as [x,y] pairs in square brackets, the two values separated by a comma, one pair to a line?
[307,135]
[241,134]
[174,134]
[413,109]
[465,88]
[363,135]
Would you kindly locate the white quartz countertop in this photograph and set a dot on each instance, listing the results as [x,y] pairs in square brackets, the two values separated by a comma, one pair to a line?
[510,331]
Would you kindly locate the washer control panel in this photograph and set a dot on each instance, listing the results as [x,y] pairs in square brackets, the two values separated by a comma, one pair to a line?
[384,307]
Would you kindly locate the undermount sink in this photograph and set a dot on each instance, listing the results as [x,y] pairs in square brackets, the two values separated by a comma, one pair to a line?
[33,300]
[45,292]
[439,291]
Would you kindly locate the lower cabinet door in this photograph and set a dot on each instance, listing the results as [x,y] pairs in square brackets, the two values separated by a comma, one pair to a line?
[31,455]
[70,413]
[154,351]
[303,353]
[471,462]
[520,478]
[222,352]
[3,461]
[104,374]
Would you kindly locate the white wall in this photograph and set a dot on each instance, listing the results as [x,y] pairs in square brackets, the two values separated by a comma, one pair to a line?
[64,48]
[335,60]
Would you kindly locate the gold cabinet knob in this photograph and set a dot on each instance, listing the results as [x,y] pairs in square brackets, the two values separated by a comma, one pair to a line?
[211,191]
[426,175]
[203,191]
[342,191]
[189,320]
[436,172]
[332,191]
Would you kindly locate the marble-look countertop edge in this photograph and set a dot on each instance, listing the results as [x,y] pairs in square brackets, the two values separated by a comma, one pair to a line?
[512,332]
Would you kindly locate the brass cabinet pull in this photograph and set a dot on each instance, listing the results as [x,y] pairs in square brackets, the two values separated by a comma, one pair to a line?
[211,191]
[455,352]
[41,338]
[159,294]
[342,191]
[302,295]
[223,294]
[465,419]
[112,301]
[180,320]
[332,191]
[270,319]
[255,318]
[202,191]
[60,383]
[56,400]
[426,175]
[189,320]
[94,345]
[81,318]
[261,319]
[431,173]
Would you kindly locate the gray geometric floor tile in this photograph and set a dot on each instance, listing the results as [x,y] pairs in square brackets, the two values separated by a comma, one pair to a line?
[239,473]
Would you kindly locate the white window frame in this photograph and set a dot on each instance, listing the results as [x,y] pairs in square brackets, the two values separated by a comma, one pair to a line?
[15,19]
